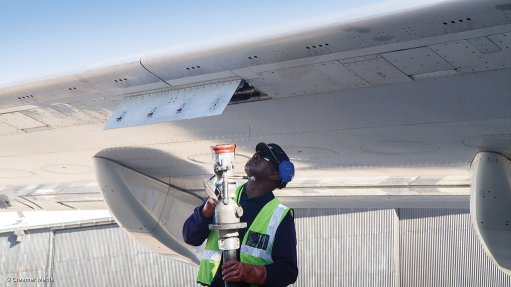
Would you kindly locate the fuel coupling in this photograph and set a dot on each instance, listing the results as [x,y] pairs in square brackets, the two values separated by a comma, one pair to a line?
[227,211]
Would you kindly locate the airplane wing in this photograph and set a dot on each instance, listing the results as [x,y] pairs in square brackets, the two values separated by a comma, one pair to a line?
[386,110]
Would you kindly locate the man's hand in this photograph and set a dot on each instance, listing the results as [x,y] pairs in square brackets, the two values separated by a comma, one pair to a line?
[209,208]
[235,271]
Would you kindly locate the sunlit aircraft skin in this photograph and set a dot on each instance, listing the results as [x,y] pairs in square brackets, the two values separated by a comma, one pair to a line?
[382,111]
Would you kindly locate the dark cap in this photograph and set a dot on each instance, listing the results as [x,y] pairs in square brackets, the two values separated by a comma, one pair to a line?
[275,151]
[280,161]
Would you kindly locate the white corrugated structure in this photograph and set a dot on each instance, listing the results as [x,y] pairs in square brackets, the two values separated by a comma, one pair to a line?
[337,247]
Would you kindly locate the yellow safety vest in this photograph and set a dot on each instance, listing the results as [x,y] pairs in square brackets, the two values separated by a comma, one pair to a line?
[257,243]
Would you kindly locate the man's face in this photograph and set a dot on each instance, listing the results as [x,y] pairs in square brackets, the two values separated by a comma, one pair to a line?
[260,166]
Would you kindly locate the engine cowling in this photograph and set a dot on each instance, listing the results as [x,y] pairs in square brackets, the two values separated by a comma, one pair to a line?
[151,211]
[490,206]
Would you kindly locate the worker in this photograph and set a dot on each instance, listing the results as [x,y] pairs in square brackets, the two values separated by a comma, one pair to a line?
[261,260]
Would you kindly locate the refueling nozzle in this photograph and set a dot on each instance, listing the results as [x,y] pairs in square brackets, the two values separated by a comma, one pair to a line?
[227,211]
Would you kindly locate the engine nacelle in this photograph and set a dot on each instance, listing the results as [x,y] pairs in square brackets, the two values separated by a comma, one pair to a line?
[490,206]
[151,211]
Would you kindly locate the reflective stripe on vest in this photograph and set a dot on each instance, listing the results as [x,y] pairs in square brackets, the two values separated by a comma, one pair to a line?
[263,223]
[212,255]
[271,229]
[210,260]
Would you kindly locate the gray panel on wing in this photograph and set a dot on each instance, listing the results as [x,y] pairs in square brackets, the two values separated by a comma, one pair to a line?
[307,79]
[377,71]
[417,61]
[466,55]
[188,103]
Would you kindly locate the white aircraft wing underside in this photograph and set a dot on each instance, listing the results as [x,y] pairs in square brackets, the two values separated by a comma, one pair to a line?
[390,105]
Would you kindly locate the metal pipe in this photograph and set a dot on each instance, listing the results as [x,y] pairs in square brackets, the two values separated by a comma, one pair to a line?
[229,255]
[225,189]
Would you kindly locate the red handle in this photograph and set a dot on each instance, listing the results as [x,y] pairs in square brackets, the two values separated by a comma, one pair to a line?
[224,148]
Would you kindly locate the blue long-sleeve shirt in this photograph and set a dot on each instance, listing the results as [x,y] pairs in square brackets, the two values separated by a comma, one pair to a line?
[283,271]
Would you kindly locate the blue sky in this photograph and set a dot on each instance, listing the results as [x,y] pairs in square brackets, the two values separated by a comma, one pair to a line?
[46,38]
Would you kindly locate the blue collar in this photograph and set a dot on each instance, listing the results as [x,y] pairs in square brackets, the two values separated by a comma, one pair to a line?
[263,198]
